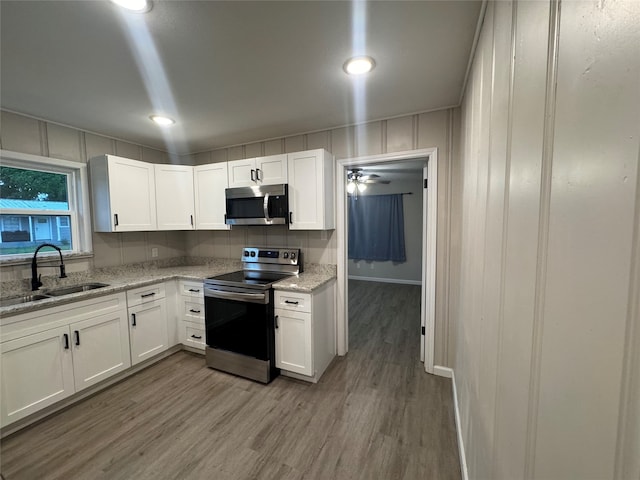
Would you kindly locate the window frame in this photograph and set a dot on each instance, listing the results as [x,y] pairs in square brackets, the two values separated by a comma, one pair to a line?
[77,196]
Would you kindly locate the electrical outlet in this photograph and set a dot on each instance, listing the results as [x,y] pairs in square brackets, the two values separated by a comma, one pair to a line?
[154,252]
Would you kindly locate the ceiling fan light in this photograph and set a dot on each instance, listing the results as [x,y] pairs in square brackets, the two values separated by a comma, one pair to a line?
[361,187]
[351,186]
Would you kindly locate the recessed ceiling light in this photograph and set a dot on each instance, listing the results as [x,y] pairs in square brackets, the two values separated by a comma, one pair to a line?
[359,65]
[139,6]
[163,121]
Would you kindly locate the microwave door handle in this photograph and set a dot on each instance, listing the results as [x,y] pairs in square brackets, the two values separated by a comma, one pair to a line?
[265,207]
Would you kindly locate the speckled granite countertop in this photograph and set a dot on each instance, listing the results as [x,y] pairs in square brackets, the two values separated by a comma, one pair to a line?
[124,278]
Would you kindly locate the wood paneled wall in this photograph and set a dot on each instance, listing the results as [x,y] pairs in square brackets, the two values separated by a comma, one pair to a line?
[19,133]
[433,129]
[547,315]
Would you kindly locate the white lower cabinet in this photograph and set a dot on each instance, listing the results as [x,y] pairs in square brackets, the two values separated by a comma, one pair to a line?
[147,322]
[100,348]
[305,332]
[191,329]
[50,355]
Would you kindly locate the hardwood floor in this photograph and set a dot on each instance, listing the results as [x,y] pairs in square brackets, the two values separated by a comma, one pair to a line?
[375,414]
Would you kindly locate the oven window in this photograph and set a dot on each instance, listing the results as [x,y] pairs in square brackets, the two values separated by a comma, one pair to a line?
[238,327]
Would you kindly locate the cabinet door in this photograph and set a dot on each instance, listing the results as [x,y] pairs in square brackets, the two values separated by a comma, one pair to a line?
[148,330]
[100,348]
[271,170]
[242,173]
[37,371]
[294,350]
[311,190]
[210,182]
[174,197]
[132,194]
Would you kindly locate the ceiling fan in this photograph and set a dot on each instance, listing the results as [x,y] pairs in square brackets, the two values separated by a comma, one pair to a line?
[357,180]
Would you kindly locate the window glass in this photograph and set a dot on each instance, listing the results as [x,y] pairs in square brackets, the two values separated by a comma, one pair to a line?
[35,209]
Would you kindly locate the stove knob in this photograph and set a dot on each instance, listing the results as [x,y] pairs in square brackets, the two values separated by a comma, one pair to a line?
[253,254]
[293,255]
[246,253]
[285,255]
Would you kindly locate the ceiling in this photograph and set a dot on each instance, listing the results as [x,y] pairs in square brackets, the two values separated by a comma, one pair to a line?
[229,72]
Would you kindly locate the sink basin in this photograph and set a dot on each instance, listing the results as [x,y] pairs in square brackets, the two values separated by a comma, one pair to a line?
[7,302]
[75,289]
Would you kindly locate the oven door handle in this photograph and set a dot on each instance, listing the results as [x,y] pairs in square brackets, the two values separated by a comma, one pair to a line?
[241,297]
[265,207]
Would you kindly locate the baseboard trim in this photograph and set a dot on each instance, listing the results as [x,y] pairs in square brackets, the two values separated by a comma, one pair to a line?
[442,371]
[385,280]
[456,409]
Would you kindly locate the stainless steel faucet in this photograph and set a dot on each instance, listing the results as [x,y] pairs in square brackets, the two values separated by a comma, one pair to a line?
[35,278]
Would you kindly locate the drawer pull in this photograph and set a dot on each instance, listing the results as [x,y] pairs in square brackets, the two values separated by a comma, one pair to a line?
[290,302]
[276,320]
[194,311]
[148,295]
[194,290]
[197,337]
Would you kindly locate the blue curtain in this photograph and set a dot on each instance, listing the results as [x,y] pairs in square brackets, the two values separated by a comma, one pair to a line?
[376,228]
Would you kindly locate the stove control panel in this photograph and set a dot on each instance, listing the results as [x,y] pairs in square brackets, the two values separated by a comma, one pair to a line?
[282,256]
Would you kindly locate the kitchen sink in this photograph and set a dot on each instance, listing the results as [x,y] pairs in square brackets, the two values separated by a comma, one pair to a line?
[7,302]
[75,289]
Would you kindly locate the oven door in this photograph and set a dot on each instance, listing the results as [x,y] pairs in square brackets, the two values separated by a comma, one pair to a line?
[239,322]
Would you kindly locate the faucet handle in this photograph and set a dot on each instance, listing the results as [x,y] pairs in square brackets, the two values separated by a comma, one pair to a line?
[63,273]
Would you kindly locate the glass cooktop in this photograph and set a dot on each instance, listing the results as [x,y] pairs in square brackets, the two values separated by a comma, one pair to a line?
[242,277]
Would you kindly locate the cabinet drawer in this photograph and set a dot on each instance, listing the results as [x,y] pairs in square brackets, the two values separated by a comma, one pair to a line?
[192,289]
[138,296]
[193,335]
[299,302]
[192,311]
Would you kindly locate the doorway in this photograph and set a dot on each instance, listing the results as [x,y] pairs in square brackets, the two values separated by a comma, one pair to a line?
[427,310]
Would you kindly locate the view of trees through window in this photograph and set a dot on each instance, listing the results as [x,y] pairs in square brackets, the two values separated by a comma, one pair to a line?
[34,206]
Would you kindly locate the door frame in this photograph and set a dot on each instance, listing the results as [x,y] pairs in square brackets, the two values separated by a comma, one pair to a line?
[429,215]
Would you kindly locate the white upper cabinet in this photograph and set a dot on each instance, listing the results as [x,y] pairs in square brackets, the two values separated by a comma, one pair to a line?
[174,197]
[249,172]
[271,170]
[311,192]
[209,183]
[123,193]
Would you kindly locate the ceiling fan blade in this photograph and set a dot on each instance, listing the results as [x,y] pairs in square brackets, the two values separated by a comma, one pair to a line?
[383,182]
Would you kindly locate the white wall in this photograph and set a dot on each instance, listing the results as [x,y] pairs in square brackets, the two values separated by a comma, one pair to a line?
[411,270]
[547,319]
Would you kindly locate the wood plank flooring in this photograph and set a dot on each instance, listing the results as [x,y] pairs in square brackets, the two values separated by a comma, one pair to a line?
[375,414]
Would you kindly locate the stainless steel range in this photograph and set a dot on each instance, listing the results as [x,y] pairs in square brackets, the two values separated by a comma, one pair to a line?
[239,313]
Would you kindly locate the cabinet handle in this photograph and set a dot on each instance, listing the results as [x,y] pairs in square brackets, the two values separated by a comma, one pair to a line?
[258,174]
[253,175]
[194,311]
[276,320]
[133,319]
[290,302]
[115,219]
[191,220]
[194,290]
[66,341]
[77,333]
[148,295]
[197,337]
[290,217]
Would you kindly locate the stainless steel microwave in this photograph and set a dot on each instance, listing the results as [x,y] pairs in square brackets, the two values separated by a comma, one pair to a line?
[258,205]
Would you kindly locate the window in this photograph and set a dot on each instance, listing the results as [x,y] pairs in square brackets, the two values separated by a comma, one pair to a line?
[42,200]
